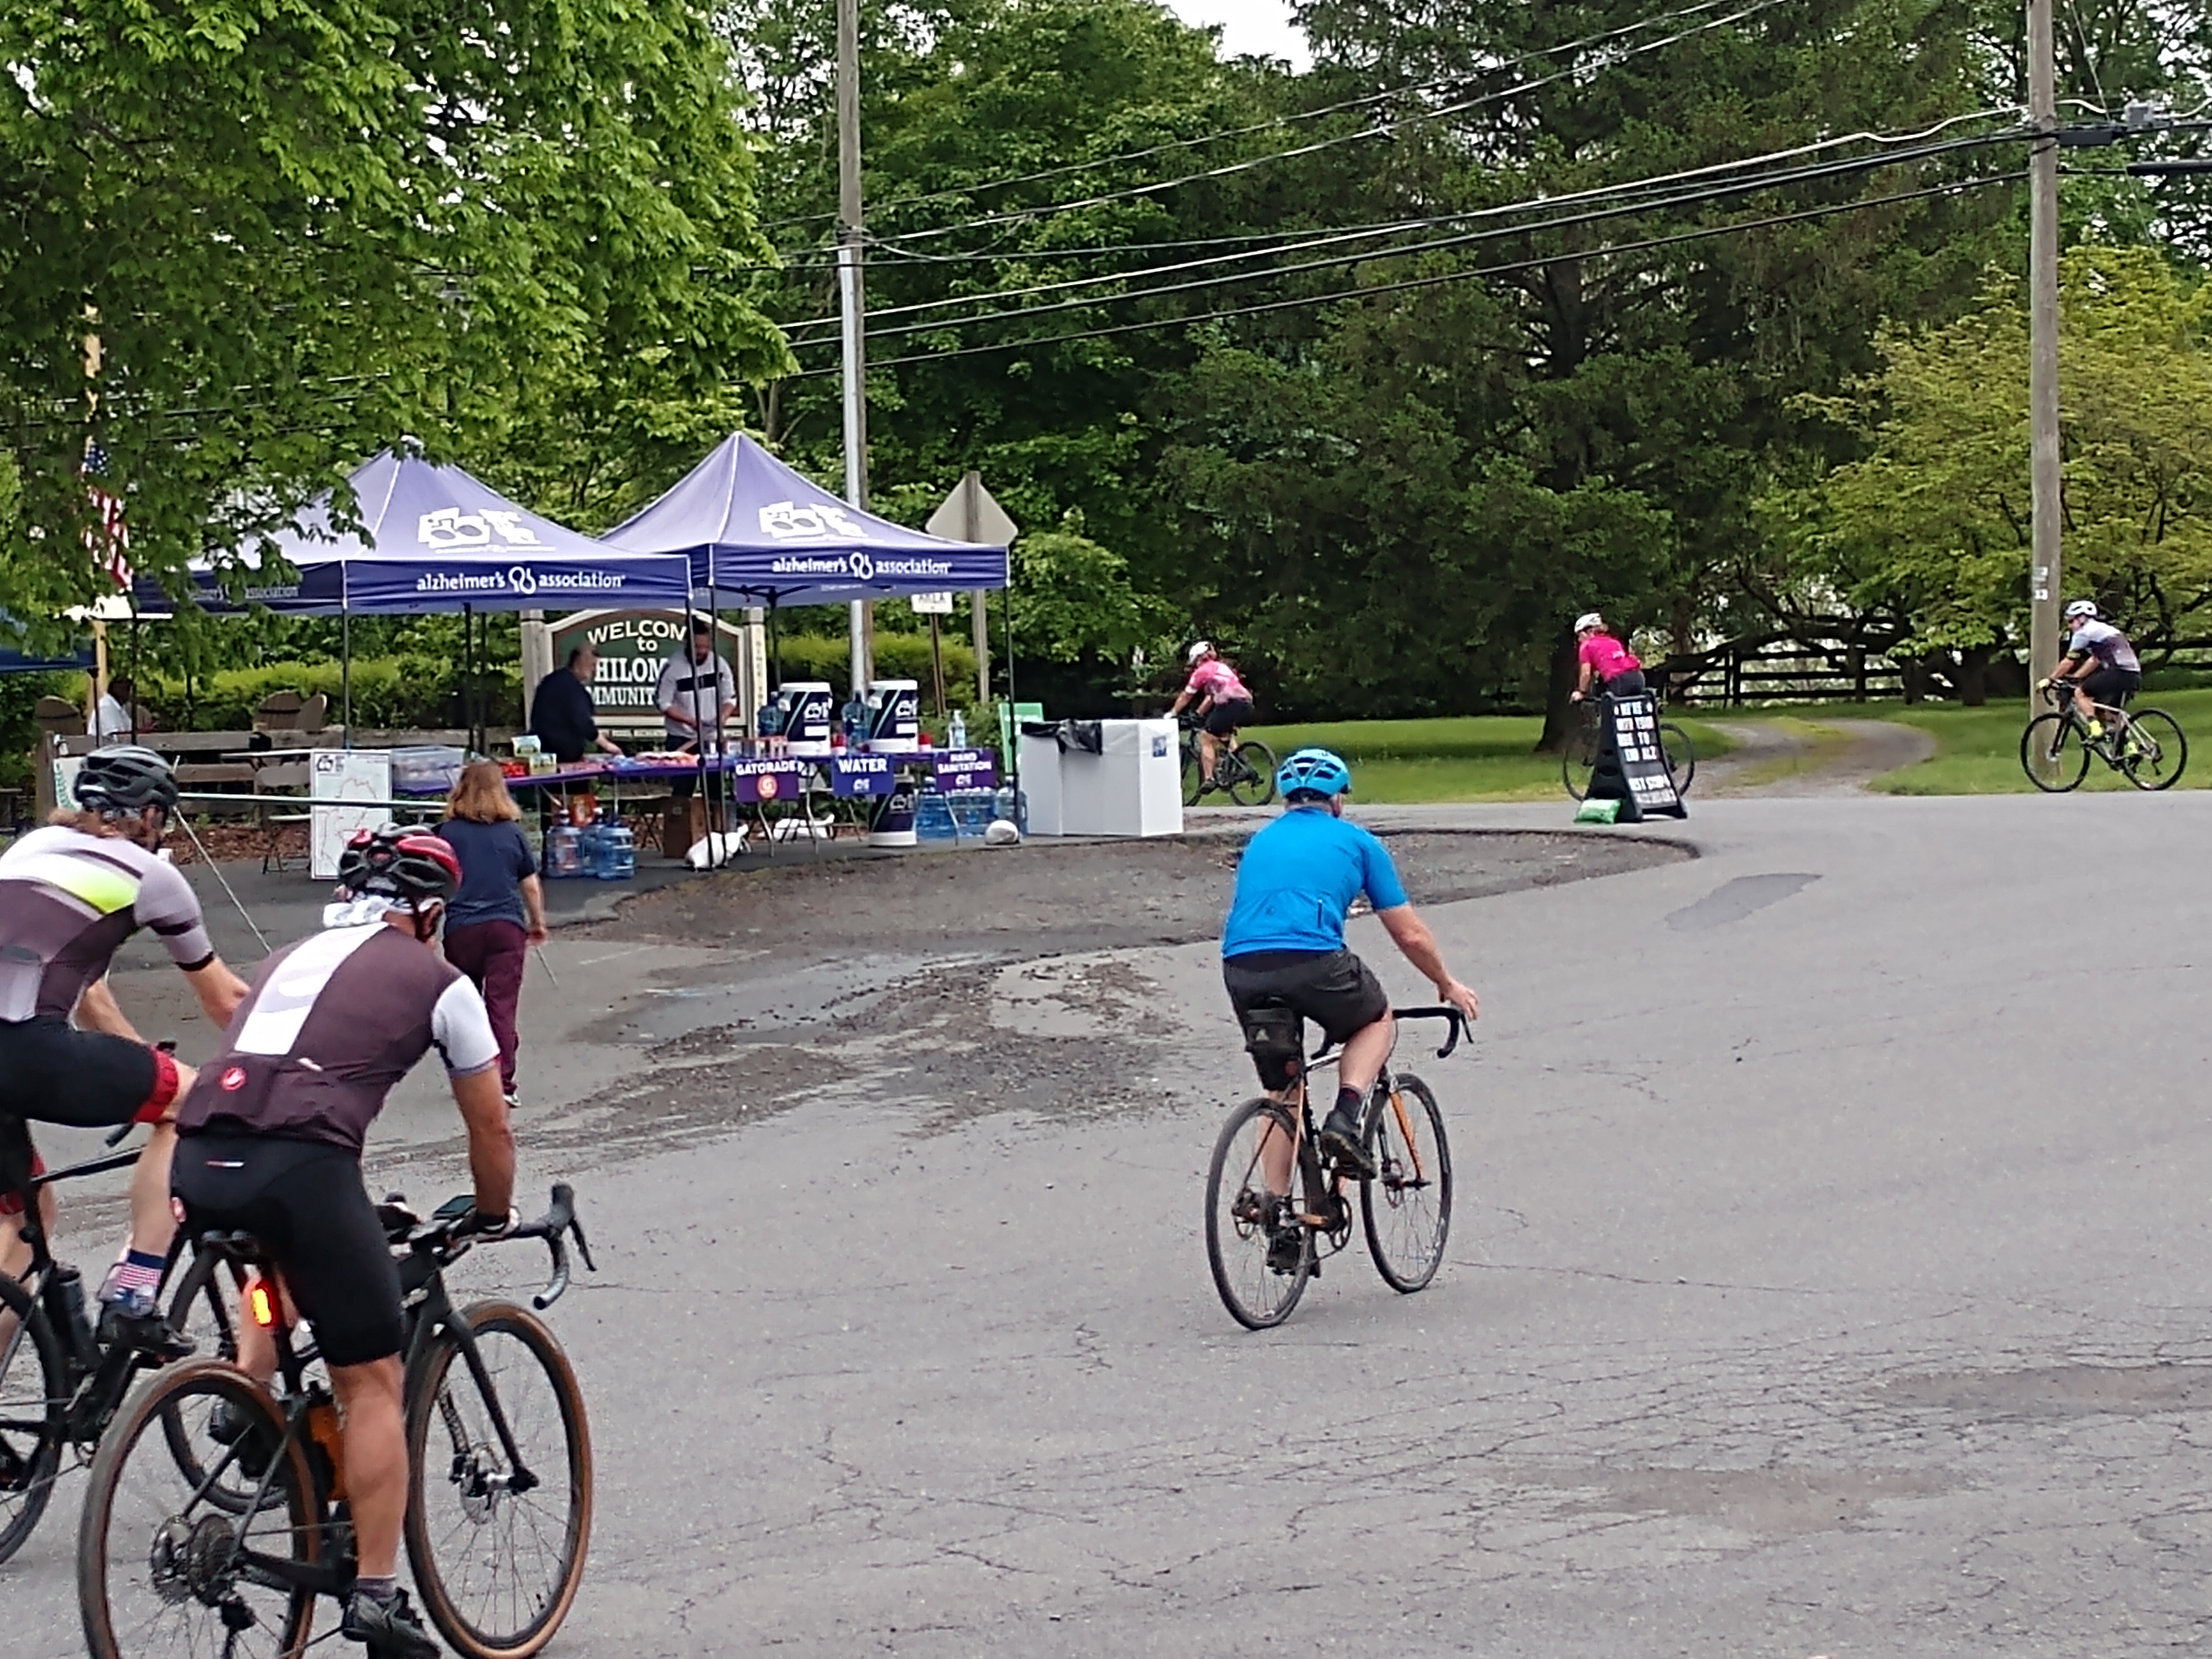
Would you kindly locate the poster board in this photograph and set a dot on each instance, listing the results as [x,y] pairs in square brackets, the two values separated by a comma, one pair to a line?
[1631,767]
[632,645]
[335,776]
[66,767]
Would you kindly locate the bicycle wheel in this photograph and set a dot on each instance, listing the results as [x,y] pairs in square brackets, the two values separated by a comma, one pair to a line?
[1681,757]
[498,1563]
[1406,1208]
[1245,1219]
[1192,779]
[34,1391]
[2153,752]
[1254,784]
[1578,759]
[160,1568]
[2054,754]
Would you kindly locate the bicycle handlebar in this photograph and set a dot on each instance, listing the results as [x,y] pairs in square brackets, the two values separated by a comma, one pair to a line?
[452,1239]
[1444,1012]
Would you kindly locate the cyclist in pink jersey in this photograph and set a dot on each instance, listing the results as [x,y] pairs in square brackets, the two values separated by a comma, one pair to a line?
[1606,664]
[1223,701]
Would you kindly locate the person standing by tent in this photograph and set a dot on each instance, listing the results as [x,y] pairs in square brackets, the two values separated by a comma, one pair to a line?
[561,713]
[697,696]
[498,913]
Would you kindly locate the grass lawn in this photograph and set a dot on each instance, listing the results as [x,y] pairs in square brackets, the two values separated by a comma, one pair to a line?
[1465,758]
[1977,750]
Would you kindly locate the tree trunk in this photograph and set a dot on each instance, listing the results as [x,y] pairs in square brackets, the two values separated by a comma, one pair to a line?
[1973,691]
[1559,715]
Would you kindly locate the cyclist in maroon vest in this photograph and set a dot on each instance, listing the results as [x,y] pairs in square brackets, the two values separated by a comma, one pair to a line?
[270,1144]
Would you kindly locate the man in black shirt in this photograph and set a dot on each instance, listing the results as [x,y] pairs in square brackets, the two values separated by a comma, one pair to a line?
[561,711]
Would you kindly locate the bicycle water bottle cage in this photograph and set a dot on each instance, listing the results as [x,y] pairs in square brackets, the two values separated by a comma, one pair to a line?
[1275,1038]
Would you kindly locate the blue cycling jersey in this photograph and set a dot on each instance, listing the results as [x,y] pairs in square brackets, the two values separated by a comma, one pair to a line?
[1296,882]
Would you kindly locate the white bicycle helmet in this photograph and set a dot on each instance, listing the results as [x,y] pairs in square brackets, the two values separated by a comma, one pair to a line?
[2080,609]
[1197,651]
[1587,621]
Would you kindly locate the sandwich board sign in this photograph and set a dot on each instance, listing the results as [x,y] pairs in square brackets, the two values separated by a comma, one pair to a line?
[1632,762]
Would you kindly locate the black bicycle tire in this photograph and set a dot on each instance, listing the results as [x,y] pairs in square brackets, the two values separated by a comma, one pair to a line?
[1258,787]
[1193,778]
[153,1397]
[197,1280]
[431,1366]
[1405,1284]
[2031,744]
[53,1380]
[2179,747]
[1688,774]
[1577,760]
[1296,1282]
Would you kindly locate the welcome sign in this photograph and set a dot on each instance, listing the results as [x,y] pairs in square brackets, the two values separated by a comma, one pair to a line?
[632,646]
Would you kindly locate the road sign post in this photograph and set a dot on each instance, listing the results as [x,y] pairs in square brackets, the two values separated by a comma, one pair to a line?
[970,514]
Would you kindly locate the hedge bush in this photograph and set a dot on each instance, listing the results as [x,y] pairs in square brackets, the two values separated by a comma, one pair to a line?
[409,690]
[898,657]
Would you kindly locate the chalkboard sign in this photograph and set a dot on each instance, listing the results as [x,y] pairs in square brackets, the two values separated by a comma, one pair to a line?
[1631,764]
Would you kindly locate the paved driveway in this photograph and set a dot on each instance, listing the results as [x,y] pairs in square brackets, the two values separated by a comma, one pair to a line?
[1829,1280]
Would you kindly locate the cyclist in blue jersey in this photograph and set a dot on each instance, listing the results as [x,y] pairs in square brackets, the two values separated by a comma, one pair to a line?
[1284,941]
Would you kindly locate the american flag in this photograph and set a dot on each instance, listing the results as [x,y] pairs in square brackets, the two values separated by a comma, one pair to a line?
[109,544]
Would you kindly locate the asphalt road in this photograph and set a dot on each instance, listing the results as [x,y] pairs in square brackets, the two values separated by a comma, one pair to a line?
[1828,1278]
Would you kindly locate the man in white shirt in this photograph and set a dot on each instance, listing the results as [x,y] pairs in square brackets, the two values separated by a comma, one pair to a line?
[697,696]
[111,712]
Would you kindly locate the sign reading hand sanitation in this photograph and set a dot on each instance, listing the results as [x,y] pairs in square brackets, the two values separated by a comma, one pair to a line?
[1632,765]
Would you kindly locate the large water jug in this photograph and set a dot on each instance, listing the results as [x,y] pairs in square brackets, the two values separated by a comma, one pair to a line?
[616,859]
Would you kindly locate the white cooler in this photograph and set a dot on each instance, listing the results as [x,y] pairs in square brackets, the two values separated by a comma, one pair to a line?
[1040,783]
[1132,787]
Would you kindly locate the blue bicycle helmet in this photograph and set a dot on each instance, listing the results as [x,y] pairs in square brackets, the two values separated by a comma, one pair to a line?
[1313,772]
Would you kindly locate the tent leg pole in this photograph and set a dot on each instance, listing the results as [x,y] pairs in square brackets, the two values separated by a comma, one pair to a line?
[345,670]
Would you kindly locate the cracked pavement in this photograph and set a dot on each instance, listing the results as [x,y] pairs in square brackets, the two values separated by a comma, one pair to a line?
[1827,1276]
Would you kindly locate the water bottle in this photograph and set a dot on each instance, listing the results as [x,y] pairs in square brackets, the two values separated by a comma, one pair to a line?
[956,733]
[70,1283]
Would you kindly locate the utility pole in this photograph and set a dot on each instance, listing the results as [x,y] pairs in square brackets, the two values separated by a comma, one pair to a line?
[2045,572]
[848,288]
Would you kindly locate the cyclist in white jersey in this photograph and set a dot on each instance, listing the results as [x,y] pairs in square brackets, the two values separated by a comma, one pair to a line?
[2100,666]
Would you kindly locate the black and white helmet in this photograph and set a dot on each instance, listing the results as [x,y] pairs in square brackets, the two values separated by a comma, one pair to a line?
[124,780]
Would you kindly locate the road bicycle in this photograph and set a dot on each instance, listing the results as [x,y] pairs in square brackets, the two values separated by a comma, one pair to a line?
[60,1384]
[217,1510]
[1243,768]
[1263,1244]
[1578,758]
[2145,747]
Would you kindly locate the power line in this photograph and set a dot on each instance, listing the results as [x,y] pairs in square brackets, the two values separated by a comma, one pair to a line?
[1364,233]
[1952,187]
[1025,216]
[1269,126]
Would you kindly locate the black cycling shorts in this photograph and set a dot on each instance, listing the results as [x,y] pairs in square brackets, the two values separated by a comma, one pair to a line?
[1224,718]
[1629,682]
[303,1200]
[53,1072]
[1333,988]
[2111,686]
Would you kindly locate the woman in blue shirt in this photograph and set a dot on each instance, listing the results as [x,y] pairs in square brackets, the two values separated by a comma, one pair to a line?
[499,911]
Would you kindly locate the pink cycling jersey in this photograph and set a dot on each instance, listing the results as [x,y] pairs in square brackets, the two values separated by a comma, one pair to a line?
[1606,656]
[1217,679]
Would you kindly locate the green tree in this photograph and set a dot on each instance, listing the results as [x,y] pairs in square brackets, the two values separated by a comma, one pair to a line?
[299,228]
[1932,521]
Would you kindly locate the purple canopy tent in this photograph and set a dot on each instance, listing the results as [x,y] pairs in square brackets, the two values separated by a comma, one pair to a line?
[434,538]
[752,527]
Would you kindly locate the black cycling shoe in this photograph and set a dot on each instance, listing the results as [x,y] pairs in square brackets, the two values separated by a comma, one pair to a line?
[136,1321]
[1286,1246]
[1340,1138]
[390,1629]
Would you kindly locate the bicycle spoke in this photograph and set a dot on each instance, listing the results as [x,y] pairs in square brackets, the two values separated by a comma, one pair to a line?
[1260,1259]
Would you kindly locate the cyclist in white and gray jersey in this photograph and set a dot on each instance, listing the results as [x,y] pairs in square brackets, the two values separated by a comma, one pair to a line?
[2101,665]
[70,894]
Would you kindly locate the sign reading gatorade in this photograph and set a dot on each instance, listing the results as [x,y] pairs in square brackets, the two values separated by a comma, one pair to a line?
[1632,765]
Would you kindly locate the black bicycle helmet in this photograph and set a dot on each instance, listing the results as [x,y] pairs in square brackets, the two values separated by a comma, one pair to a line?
[124,780]
[412,866]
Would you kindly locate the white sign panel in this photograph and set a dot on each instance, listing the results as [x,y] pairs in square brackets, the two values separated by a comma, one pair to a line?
[930,605]
[336,776]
